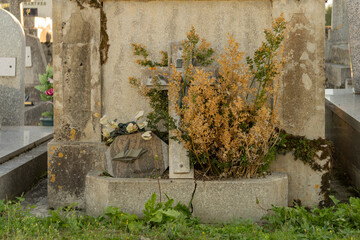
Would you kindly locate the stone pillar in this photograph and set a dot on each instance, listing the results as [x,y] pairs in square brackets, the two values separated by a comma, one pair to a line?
[353,8]
[302,95]
[12,66]
[339,23]
[76,148]
[15,8]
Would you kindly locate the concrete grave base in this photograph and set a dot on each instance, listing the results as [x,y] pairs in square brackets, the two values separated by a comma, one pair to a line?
[66,177]
[305,184]
[214,201]
[343,129]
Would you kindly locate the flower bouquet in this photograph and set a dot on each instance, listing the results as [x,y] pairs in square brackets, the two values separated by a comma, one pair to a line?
[112,129]
[47,92]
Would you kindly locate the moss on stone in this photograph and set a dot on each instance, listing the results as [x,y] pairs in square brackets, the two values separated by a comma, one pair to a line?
[307,151]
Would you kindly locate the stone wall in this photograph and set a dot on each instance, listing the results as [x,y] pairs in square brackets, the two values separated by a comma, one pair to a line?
[93,61]
[157,23]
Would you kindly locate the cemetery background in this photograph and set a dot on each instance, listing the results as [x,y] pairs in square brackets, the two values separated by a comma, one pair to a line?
[23,148]
[93,60]
[78,135]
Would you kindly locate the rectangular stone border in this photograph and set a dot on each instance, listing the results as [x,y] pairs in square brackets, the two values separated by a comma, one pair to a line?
[27,147]
[213,201]
[343,129]
[18,174]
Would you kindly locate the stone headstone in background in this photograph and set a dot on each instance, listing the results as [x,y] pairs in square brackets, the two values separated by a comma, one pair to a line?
[130,156]
[337,68]
[37,66]
[12,58]
[353,8]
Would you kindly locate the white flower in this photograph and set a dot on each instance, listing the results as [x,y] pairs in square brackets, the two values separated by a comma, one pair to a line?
[113,125]
[106,132]
[143,125]
[146,135]
[139,115]
[104,120]
[131,128]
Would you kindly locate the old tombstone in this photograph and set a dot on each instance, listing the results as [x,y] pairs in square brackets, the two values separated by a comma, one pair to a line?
[12,64]
[132,156]
[35,63]
[179,163]
[353,8]
[100,50]
[337,68]
[35,60]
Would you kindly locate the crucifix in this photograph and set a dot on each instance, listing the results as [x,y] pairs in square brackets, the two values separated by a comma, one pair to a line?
[179,162]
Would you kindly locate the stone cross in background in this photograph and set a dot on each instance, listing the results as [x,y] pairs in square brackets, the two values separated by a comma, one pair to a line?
[179,162]
[353,8]
[12,64]
[337,58]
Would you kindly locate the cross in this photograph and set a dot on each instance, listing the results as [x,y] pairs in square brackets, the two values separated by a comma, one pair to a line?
[179,162]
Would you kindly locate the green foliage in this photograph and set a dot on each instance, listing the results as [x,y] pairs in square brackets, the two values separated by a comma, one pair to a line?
[122,220]
[304,149]
[160,115]
[140,50]
[264,67]
[338,222]
[328,16]
[44,86]
[161,213]
[47,114]
[339,218]
[159,120]
[196,55]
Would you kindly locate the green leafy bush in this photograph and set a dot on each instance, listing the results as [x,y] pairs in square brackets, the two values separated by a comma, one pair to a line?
[46,88]
[163,221]
[161,213]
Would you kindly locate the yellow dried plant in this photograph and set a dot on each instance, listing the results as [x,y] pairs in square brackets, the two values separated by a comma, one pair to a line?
[228,123]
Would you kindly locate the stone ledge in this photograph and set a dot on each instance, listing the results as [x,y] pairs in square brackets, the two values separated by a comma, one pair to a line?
[68,164]
[183,0]
[214,201]
[18,174]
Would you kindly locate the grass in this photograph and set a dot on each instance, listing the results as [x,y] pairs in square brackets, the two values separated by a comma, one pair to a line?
[165,221]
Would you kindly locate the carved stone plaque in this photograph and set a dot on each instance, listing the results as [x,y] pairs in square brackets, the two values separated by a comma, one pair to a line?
[130,156]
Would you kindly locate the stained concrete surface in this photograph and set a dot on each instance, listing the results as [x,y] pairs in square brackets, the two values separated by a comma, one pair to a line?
[16,140]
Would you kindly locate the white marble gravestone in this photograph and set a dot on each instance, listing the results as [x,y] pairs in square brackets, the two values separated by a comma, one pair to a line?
[12,65]
[353,8]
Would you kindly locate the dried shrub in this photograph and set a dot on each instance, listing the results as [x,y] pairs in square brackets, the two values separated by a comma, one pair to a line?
[228,119]
[159,119]
[228,122]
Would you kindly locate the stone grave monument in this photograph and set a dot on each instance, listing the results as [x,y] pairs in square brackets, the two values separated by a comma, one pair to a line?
[131,156]
[12,64]
[93,60]
[337,67]
[353,8]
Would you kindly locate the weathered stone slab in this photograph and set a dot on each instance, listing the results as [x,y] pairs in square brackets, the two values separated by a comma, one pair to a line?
[212,201]
[38,61]
[307,186]
[12,45]
[18,174]
[337,75]
[353,8]
[16,140]
[68,164]
[130,156]
[339,23]
[77,72]
[343,129]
